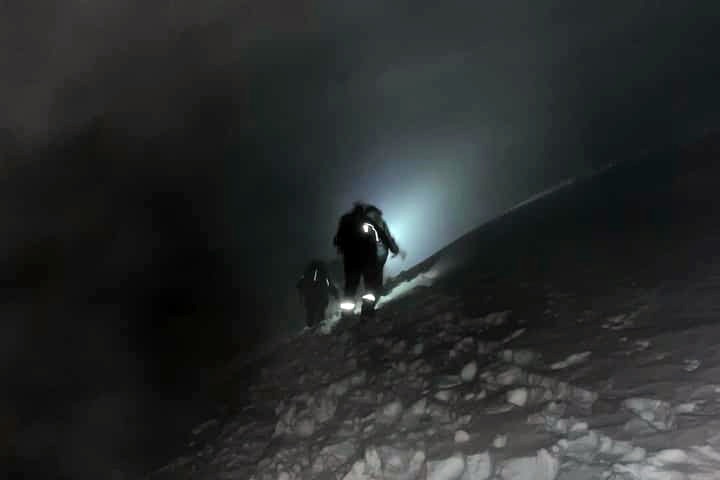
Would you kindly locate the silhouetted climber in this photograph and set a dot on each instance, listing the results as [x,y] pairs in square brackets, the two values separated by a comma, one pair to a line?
[364,240]
[315,288]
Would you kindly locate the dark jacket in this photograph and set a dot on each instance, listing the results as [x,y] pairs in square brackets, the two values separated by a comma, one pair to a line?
[316,282]
[350,236]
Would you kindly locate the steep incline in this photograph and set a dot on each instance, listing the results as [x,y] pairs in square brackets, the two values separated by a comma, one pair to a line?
[576,338]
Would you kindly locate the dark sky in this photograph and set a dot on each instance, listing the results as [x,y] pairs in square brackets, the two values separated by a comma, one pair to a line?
[441,114]
[183,159]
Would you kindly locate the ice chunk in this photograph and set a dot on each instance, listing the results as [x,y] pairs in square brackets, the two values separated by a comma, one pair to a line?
[700,463]
[510,376]
[610,447]
[291,461]
[524,396]
[691,365]
[448,469]
[390,412]
[419,407]
[372,462]
[324,408]
[668,457]
[518,396]
[685,408]
[359,471]
[439,412]
[560,390]
[705,457]
[579,427]
[557,425]
[305,427]
[332,457]
[637,471]
[584,449]
[637,454]
[446,396]
[655,413]
[400,463]
[543,466]
[469,372]
[461,436]
[478,467]
[500,441]
[535,419]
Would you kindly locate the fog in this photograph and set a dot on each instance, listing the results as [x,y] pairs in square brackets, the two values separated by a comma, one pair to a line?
[168,167]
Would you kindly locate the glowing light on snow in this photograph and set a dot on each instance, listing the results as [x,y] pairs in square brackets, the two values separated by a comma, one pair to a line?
[347,306]
[425,207]
[369,297]
[424,279]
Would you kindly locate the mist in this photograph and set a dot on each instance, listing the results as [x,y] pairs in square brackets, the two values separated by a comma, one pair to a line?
[168,168]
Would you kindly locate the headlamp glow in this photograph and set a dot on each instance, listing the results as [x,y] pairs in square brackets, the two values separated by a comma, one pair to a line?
[347,306]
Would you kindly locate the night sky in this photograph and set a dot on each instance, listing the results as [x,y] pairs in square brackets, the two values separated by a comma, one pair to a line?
[169,166]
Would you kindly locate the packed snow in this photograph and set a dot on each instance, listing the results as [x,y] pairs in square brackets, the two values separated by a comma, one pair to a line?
[425,392]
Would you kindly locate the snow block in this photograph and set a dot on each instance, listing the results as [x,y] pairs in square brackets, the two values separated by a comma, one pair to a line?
[478,467]
[332,457]
[656,414]
[543,466]
[448,469]
[469,371]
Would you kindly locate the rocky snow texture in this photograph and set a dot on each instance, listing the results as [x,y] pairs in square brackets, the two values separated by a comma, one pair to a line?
[429,396]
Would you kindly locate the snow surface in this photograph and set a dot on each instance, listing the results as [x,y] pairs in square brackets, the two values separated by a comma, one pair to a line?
[420,392]
[424,279]
[621,387]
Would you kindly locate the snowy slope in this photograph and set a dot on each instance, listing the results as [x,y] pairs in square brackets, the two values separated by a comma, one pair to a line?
[444,402]
[591,354]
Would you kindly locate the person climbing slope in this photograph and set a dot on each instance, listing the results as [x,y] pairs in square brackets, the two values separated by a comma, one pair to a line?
[315,288]
[364,241]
